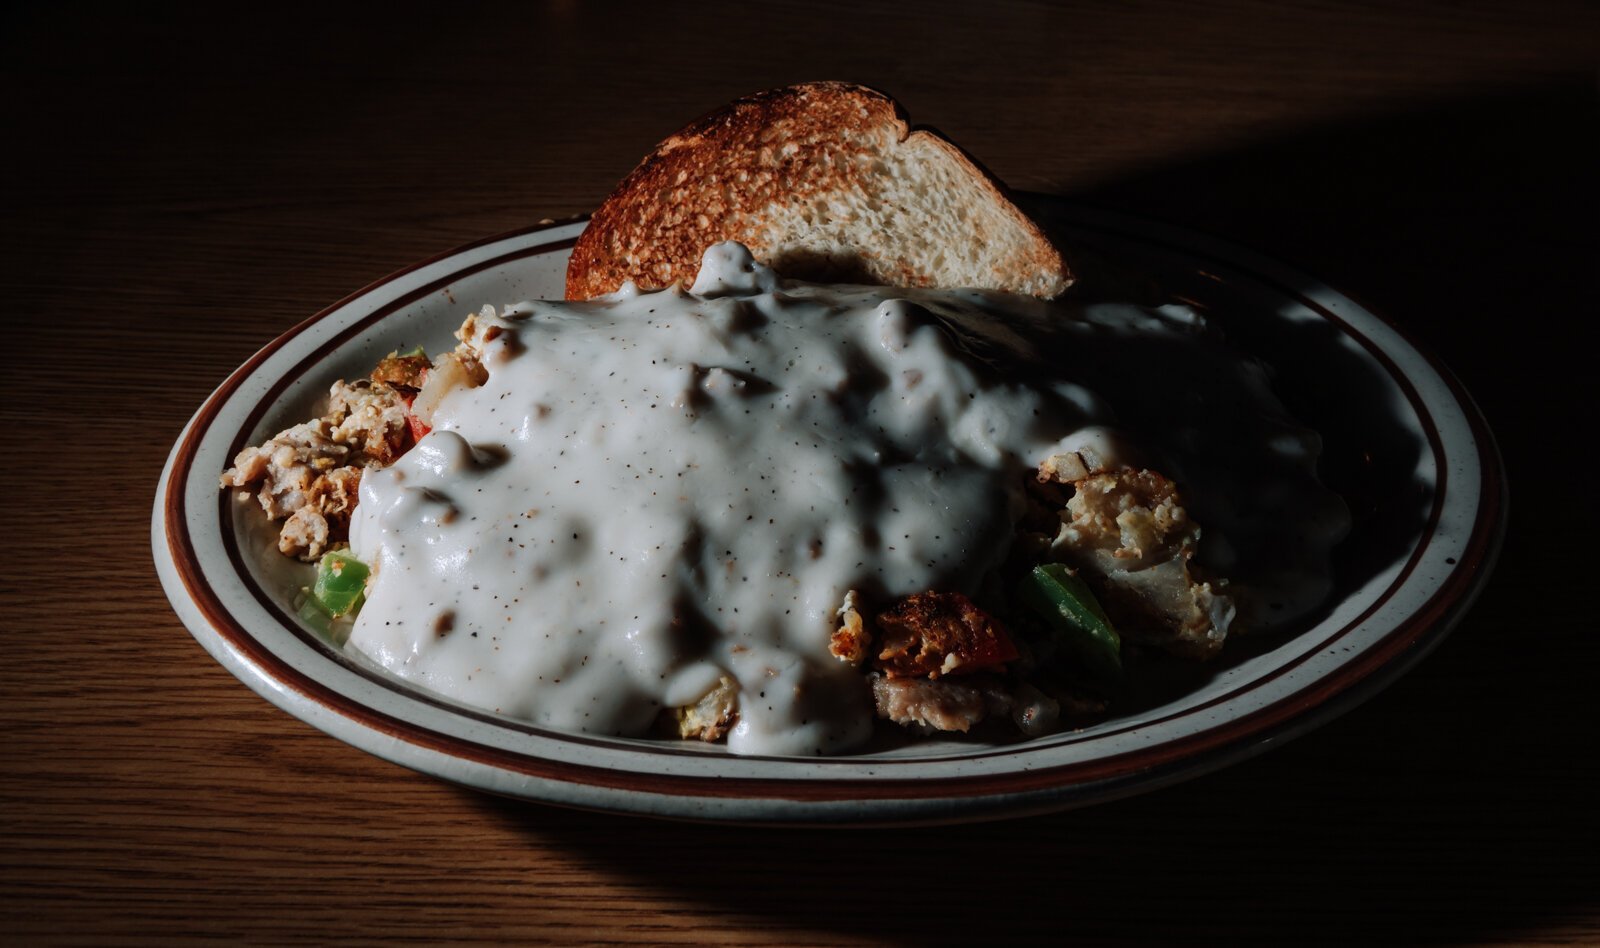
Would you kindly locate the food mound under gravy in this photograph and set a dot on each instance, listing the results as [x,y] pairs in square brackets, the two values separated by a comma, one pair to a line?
[770,512]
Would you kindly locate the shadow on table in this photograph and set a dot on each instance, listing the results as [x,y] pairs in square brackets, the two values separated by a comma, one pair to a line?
[1456,805]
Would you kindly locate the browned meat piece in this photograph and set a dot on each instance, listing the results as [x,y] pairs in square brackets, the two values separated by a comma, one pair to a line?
[306,532]
[945,705]
[930,705]
[325,517]
[407,372]
[930,634]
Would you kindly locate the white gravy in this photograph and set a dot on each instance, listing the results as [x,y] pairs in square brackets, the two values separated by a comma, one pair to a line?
[654,490]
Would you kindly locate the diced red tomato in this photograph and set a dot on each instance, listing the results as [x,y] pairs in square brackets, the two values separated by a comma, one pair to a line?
[418,429]
[986,648]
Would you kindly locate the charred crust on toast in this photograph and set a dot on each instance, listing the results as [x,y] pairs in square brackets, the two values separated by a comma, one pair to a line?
[732,173]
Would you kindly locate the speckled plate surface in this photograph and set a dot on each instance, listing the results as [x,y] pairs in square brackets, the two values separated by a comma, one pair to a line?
[1405,446]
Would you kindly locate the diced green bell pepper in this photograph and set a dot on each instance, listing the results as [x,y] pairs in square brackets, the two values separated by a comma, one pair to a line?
[341,583]
[1075,618]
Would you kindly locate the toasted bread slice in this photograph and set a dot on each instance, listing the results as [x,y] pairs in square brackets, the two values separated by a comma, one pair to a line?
[822,181]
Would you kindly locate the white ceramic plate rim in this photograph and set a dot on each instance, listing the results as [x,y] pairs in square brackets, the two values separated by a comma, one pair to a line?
[1368,639]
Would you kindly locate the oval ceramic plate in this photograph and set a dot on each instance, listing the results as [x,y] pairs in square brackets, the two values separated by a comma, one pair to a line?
[1404,445]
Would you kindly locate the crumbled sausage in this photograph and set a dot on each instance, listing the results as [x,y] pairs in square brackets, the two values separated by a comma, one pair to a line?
[1128,531]
[309,475]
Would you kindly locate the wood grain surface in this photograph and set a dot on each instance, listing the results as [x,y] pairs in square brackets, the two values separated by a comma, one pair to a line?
[181,186]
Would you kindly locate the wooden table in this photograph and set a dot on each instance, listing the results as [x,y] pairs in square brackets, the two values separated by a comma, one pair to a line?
[180,188]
